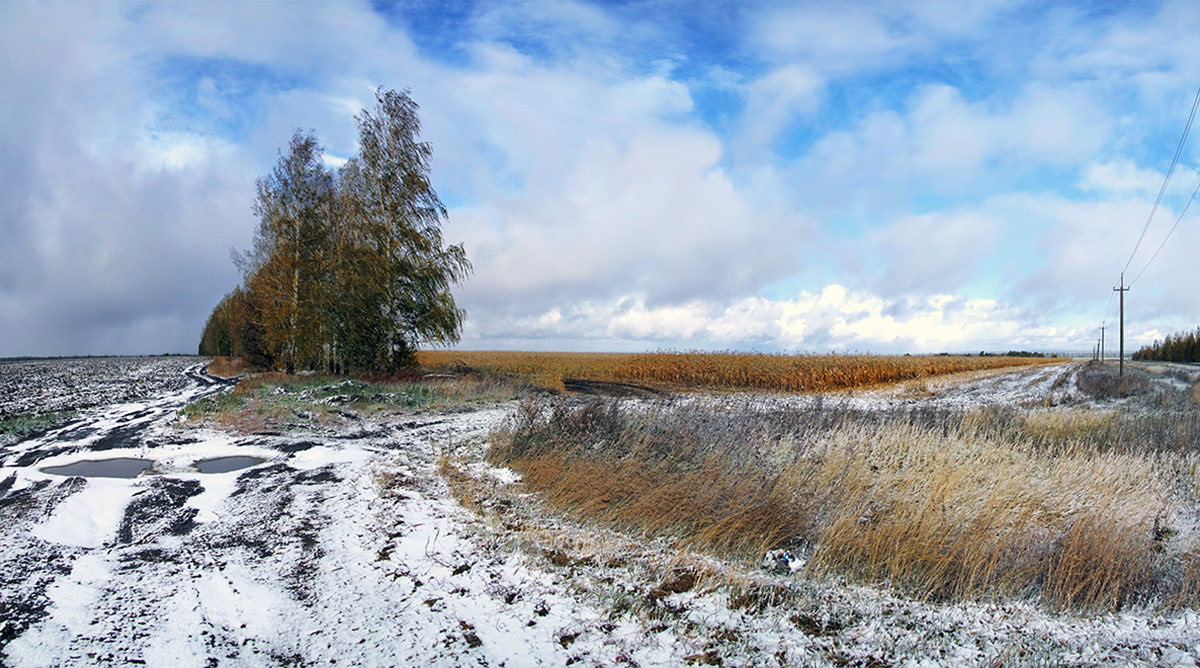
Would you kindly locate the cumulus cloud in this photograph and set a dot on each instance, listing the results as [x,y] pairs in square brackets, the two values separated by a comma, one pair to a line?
[596,188]
[885,176]
[832,319]
[933,253]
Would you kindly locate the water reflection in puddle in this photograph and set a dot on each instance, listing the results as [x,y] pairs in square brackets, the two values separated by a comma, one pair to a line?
[226,464]
[118,467]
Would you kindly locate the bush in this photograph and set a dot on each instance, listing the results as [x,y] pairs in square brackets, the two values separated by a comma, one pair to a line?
[1104,382]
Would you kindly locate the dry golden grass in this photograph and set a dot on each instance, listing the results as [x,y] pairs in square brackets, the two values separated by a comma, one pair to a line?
[228,367]
[951,508]
[963,516]
[714,371]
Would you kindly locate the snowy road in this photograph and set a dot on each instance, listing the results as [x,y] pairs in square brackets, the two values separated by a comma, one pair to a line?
[309,558]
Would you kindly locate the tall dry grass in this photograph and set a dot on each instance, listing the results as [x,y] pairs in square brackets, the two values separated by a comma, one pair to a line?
[719,371]
[228,367]
[980,505]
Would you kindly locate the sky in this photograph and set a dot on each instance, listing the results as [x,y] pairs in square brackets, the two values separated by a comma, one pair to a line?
[806,177]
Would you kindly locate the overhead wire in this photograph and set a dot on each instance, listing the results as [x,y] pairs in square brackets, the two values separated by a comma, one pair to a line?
[1154,209]
[1166,180]
[1168,237]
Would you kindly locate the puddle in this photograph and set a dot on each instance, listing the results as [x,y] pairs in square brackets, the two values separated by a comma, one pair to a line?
[226,464]
[118,467]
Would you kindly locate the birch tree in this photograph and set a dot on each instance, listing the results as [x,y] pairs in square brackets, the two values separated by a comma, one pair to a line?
[347,271]
[398,271]
[289,265]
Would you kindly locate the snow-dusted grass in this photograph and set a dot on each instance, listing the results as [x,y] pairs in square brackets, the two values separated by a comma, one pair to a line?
[273,401]
[1075,508]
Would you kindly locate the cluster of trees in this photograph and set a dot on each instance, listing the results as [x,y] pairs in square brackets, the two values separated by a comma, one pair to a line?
[1016,353]
[348,271]
[1181,347]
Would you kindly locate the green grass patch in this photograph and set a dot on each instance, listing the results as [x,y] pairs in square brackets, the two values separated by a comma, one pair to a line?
[225,402]
[20,427]
[273,400]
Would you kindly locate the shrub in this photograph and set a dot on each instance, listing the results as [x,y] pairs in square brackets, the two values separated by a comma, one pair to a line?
[1104,382]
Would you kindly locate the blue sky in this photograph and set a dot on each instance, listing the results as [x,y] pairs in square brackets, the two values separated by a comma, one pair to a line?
[888,177]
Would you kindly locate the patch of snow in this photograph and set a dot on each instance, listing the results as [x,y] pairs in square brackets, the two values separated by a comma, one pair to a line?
[89,517]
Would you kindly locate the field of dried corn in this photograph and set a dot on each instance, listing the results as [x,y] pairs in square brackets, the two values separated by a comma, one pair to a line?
[714,371]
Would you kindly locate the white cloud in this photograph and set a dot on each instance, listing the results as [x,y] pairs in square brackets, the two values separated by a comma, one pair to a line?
[940,144]
[596,204]
[932,253]
[776,100]
[849,38]
[117,236]
[1121,176]
[833,319]
[594,184]
[833,38]
[1152,49]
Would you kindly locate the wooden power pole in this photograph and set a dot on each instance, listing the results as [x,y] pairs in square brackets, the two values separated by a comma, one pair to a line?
[1102,328]
[1122,290]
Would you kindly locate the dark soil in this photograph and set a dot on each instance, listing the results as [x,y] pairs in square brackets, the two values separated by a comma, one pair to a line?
[606,389]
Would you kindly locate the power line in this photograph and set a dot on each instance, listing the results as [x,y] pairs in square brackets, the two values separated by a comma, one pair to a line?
[1108,311]
[1164,242]
[1123,287]
[1161,191]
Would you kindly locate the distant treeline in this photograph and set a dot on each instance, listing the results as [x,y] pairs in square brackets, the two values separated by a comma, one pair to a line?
[1181,347]
[348,271]
[1017,353]
[46,358]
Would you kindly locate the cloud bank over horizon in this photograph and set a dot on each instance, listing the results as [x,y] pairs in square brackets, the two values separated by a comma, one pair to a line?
[885,177]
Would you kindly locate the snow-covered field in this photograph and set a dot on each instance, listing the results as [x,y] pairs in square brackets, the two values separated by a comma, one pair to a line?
[71,384]
[351,547]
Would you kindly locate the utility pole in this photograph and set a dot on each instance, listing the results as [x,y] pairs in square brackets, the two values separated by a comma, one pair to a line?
[1122,290]
[1102,328]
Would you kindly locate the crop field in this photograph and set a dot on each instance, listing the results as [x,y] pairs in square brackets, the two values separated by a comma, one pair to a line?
[73,384]
[716,371]
[41,393]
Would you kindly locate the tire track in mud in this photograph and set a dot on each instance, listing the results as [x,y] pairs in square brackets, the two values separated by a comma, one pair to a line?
[166,587]
[160,561]
[30,565]
[122,425]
